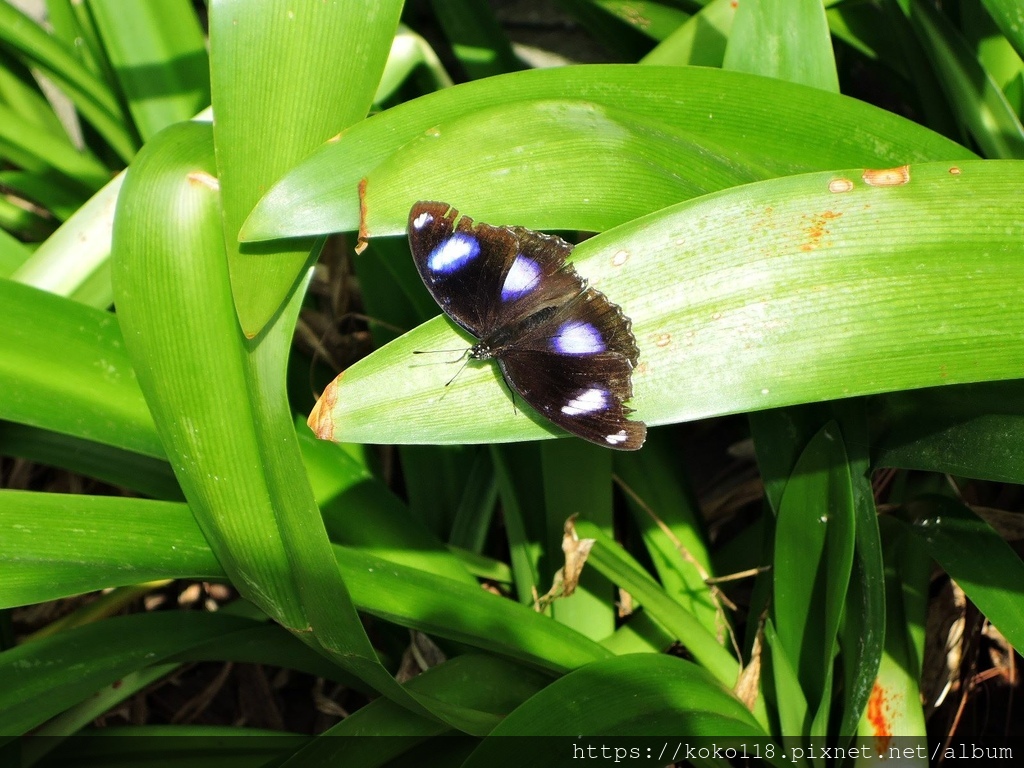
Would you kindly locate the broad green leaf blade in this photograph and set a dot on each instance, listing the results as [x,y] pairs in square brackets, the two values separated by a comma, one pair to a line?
[145,475]
[566,152]
[1007,15]
[974,556]
[83,543]
[814,542]
[476,38]
[973,430]
[788,695]
[361,512]
[174,303]
[13,254]
[637,695]
[975,97]
[907,273]
[516,468]
[406,596]
[170,281]
[158,53]
[56,351]
[665,510]
[621,569]
[79,168]
[894,707]
[40,682]
[700,41]
[91,96]
[787,39]
[577,479]
[78,250]
[491,686]
[789,128]
[285,78]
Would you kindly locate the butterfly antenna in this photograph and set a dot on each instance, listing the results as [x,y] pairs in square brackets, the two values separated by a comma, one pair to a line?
[461,369]
[463,354]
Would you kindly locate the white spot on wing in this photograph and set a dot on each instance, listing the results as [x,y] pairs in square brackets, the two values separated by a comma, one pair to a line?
[617,439]
[587,401]
[521,278]
[453,253]
[422,220]
[578,338]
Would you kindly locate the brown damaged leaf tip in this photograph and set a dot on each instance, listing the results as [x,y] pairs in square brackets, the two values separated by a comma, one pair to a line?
[321,419]
[364,232]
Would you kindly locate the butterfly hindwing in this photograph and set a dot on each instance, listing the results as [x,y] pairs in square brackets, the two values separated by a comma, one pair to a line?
[574,366]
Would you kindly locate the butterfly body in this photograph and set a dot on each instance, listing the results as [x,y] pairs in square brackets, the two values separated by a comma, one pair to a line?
[561,345]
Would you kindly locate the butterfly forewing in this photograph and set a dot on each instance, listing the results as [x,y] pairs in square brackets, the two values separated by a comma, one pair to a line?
[461,265]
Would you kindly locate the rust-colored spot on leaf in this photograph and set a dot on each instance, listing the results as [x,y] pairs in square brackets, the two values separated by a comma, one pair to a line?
[817,228]
[878,718]
[363,230]
[321,419]
[840,185]
[202,178]
[663,339]
[889,177]
[954,171]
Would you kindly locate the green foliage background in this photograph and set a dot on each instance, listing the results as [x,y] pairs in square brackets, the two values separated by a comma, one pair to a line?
[860,320]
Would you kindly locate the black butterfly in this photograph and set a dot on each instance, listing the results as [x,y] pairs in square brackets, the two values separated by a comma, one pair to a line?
[566,349]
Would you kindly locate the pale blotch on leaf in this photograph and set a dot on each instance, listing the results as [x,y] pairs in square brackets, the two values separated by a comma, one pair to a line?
[889,177]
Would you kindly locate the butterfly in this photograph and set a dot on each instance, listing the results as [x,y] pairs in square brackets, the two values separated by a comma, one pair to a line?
[560,345]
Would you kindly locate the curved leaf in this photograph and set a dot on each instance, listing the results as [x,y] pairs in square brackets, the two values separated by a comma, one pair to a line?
[908,273]
[787,128]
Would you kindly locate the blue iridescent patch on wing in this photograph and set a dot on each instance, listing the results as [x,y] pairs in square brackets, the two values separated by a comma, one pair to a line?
[522,278]
[586,401]
[578,338]
[453,253]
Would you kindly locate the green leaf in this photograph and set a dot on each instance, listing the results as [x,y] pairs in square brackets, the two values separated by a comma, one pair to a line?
[784,39]
[787,128]
[91,96]
[700,41]
[974,556]
[39,682]
[638,695]
[78,251]
[814,542]
[608,557]
[476,38]
[977,100]
[56,545]
[1006,14]
[489,685]
[728,294]
[90,540]
[665,510]
[973,430]
[577,478]
[56,351]
[158,53]
[275,102]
